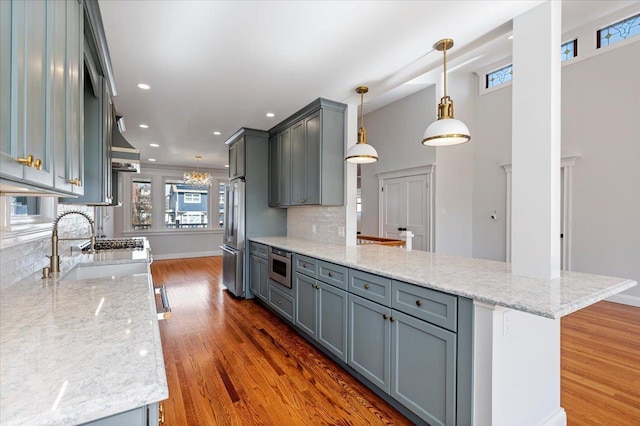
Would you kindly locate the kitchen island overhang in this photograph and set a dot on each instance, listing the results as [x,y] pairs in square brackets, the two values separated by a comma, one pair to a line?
[516,320]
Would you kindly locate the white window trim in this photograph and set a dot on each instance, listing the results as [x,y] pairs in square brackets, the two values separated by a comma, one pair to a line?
[566,164]
[159,178]
[23,233]
[197,198]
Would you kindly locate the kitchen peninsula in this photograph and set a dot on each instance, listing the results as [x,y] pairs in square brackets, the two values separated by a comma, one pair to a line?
[515,334]
[77,350]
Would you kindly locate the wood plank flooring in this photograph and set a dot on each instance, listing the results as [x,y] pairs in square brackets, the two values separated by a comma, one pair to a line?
[232,362]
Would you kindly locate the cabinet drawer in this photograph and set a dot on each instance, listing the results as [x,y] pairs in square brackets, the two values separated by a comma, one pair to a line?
[258,249]
[370,286]
[305,265]
[429,305]
[333,274]
[282,303]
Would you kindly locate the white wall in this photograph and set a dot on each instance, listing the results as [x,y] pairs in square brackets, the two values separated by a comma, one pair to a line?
[454,174]
[396,133]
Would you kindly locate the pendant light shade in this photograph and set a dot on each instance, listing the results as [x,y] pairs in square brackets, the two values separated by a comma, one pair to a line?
[446,130]
[361,152]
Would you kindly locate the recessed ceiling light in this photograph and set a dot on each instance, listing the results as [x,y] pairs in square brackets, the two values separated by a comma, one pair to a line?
[270,114]
[155,145]
[510,37]
[144,126]
[226,165]
[143,86]
[217,133]
[152,159]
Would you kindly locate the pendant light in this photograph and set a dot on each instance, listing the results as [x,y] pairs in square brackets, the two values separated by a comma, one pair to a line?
[197,178]
[446,130]
[361,152]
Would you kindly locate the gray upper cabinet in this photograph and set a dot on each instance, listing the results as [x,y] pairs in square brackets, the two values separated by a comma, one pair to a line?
[41,100]
[307,166]
[236,159]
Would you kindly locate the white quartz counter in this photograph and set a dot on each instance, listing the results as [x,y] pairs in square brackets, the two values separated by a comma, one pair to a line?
[76,351]
[488,281]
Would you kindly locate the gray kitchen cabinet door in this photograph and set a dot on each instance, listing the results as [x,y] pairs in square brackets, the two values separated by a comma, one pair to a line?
[298,164]
[283,170]
[5,81]
[29,56]
[332,319]
[236,159]
[67,97]
[264,279]
[369,347]
[254,275]
[306,304]
[274,171]
[313,157]
[423,369]
[258,277]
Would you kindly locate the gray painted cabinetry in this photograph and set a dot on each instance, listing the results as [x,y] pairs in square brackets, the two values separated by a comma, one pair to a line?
[259,271]
[148,415]
[306,157]
[41,93]
[411,343]
[321,307]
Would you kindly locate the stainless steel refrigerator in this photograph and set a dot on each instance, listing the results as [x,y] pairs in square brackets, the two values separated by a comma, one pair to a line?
[234,238]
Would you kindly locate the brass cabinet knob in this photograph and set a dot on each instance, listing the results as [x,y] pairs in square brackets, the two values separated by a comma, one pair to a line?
[385,316]
[303,200]
[330,274]
[366,286]
[37,164]
[279,302]
[392,319]
[419,302]
[27,161]
[277,202]
[76,182]
[304,265]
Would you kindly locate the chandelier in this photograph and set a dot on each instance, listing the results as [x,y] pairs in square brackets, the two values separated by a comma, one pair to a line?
[198,178]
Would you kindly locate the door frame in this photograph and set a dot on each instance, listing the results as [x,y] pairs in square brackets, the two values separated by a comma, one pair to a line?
[566,181]
[428,171]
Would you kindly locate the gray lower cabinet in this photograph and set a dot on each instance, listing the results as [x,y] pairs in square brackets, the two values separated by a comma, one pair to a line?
[321,312]
[281,302]
[258,277]
[423,368]
[143,416]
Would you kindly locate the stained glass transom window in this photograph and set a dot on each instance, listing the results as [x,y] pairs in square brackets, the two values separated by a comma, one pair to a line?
[569,50]
[619,31]
[498,77]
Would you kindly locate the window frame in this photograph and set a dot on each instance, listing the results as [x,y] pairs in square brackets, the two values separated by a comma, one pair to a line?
[604,27]
[160,177]
[29,229]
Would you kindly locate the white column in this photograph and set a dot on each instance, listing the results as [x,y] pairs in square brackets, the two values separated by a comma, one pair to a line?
[351,173]
[535,240]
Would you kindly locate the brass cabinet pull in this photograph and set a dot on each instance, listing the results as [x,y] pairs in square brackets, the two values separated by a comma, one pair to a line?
[316,286]
[277,202]
[392,319]
[37,164]
[28,161]
[330,274]
[161,408]
[76,182]
[385,316]
[304,265]
[279,302]
[366,286]
[419,302]
[303,200]
[161,414]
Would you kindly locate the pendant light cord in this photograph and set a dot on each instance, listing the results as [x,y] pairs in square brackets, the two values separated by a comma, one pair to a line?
[362,109]
[444,51]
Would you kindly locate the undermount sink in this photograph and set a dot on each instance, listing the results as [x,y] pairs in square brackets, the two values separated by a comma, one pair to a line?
[85,271]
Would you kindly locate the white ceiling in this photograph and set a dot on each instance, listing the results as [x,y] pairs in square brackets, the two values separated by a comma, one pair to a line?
[222,65]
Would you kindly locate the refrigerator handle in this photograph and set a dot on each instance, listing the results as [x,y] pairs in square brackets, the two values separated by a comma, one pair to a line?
[229,251]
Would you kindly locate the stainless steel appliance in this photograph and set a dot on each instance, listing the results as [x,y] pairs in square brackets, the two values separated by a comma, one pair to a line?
[280,266]
[233,248]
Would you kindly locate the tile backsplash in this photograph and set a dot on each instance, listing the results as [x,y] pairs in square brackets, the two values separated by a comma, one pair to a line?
[21,260]
[328,221]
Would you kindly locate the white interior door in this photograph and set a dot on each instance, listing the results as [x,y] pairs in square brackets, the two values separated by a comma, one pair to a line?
[405,206]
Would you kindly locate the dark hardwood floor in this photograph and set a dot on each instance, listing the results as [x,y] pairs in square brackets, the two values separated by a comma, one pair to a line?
[232,362]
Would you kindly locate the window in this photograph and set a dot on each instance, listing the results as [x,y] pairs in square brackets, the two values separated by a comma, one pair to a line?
[186,206]
[569,50]
[221,201]
[619,31]
[498,77]
[141,204]
[24,209]
[191,198]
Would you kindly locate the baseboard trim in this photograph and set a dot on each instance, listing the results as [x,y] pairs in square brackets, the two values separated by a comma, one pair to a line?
[558,418]
[625,299]
[186,255]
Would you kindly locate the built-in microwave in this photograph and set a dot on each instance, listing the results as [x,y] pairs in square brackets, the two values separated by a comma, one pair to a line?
[280,266]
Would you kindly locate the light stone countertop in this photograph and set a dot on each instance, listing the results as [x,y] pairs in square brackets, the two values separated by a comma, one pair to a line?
[484,280]
[76,351]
